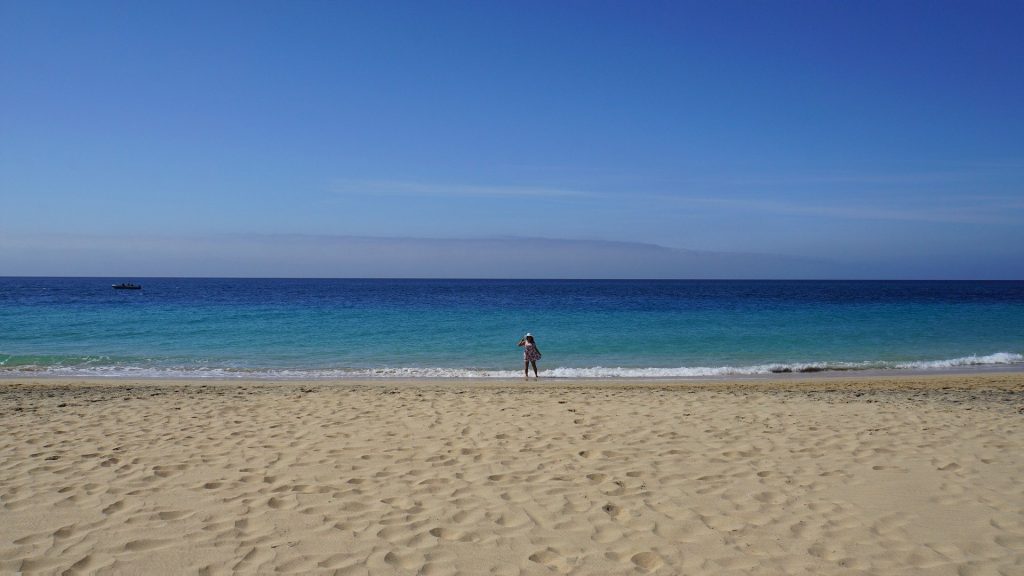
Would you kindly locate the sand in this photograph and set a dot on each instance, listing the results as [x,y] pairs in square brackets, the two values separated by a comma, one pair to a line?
[874,475]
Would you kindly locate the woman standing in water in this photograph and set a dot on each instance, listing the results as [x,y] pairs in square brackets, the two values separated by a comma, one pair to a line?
[530,354]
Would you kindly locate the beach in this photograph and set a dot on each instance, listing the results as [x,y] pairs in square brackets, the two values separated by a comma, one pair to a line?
[869,474]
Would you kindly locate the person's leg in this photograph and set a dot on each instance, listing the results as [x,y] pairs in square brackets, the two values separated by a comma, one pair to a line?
[526,369]
[534,362]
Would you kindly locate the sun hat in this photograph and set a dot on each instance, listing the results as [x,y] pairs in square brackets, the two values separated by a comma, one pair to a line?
[528,334]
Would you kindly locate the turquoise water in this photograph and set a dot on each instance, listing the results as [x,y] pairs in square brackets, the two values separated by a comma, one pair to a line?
[279,328]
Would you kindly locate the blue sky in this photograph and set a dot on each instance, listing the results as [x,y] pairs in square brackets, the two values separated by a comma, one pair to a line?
[879,139]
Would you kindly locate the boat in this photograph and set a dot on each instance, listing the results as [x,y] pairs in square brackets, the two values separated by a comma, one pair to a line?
[126,286]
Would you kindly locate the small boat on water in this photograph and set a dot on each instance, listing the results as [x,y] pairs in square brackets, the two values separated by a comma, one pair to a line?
[126,286]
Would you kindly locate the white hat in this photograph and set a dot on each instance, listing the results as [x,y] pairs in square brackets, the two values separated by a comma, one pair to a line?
[528,334]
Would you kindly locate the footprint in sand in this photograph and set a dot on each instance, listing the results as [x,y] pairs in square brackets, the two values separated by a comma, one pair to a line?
[174,514]
[445,533]
[647,561]
[453,535]
[406,562]
[552,559]
[612,510]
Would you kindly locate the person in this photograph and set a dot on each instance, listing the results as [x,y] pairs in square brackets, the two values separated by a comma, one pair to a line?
[531,353]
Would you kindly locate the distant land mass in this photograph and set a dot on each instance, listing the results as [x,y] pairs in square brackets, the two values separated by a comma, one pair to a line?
[338,256]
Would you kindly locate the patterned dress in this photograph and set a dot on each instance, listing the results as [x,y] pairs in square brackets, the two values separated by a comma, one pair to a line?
[530,353]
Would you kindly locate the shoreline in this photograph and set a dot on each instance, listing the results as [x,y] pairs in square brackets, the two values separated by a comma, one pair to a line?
[1003,362]
[833,476]
[867,377]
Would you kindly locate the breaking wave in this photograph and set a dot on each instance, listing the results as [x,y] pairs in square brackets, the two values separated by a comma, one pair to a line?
[93,367]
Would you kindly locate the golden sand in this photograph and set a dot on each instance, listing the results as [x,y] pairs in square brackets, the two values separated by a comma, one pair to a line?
[873,475]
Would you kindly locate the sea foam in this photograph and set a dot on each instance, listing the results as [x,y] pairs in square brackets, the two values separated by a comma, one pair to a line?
[232,373]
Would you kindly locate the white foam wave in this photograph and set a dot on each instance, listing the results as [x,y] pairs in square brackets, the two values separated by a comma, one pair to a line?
[220,373]
[1001,358]
[997,358]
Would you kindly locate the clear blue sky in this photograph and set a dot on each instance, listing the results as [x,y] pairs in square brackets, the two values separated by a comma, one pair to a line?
[887,137]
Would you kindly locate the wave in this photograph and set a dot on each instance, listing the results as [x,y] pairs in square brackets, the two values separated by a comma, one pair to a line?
[999,358]
[94,367]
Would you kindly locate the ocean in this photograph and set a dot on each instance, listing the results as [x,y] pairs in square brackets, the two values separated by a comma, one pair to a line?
[351,328]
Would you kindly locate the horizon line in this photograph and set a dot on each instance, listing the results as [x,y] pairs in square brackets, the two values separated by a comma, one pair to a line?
[508,279]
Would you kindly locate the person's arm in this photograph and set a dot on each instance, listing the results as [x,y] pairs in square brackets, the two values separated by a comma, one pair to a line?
[522,342]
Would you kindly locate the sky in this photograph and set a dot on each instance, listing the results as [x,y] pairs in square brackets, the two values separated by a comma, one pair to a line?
[850,139]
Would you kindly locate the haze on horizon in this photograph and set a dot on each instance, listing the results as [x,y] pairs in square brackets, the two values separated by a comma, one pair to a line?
[489,139]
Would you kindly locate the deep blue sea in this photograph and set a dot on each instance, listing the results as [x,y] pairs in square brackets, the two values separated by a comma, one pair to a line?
[282,328]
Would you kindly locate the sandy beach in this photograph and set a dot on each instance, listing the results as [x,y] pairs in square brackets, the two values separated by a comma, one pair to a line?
[899,474]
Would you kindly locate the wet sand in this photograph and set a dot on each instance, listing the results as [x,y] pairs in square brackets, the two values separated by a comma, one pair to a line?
[894,474]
